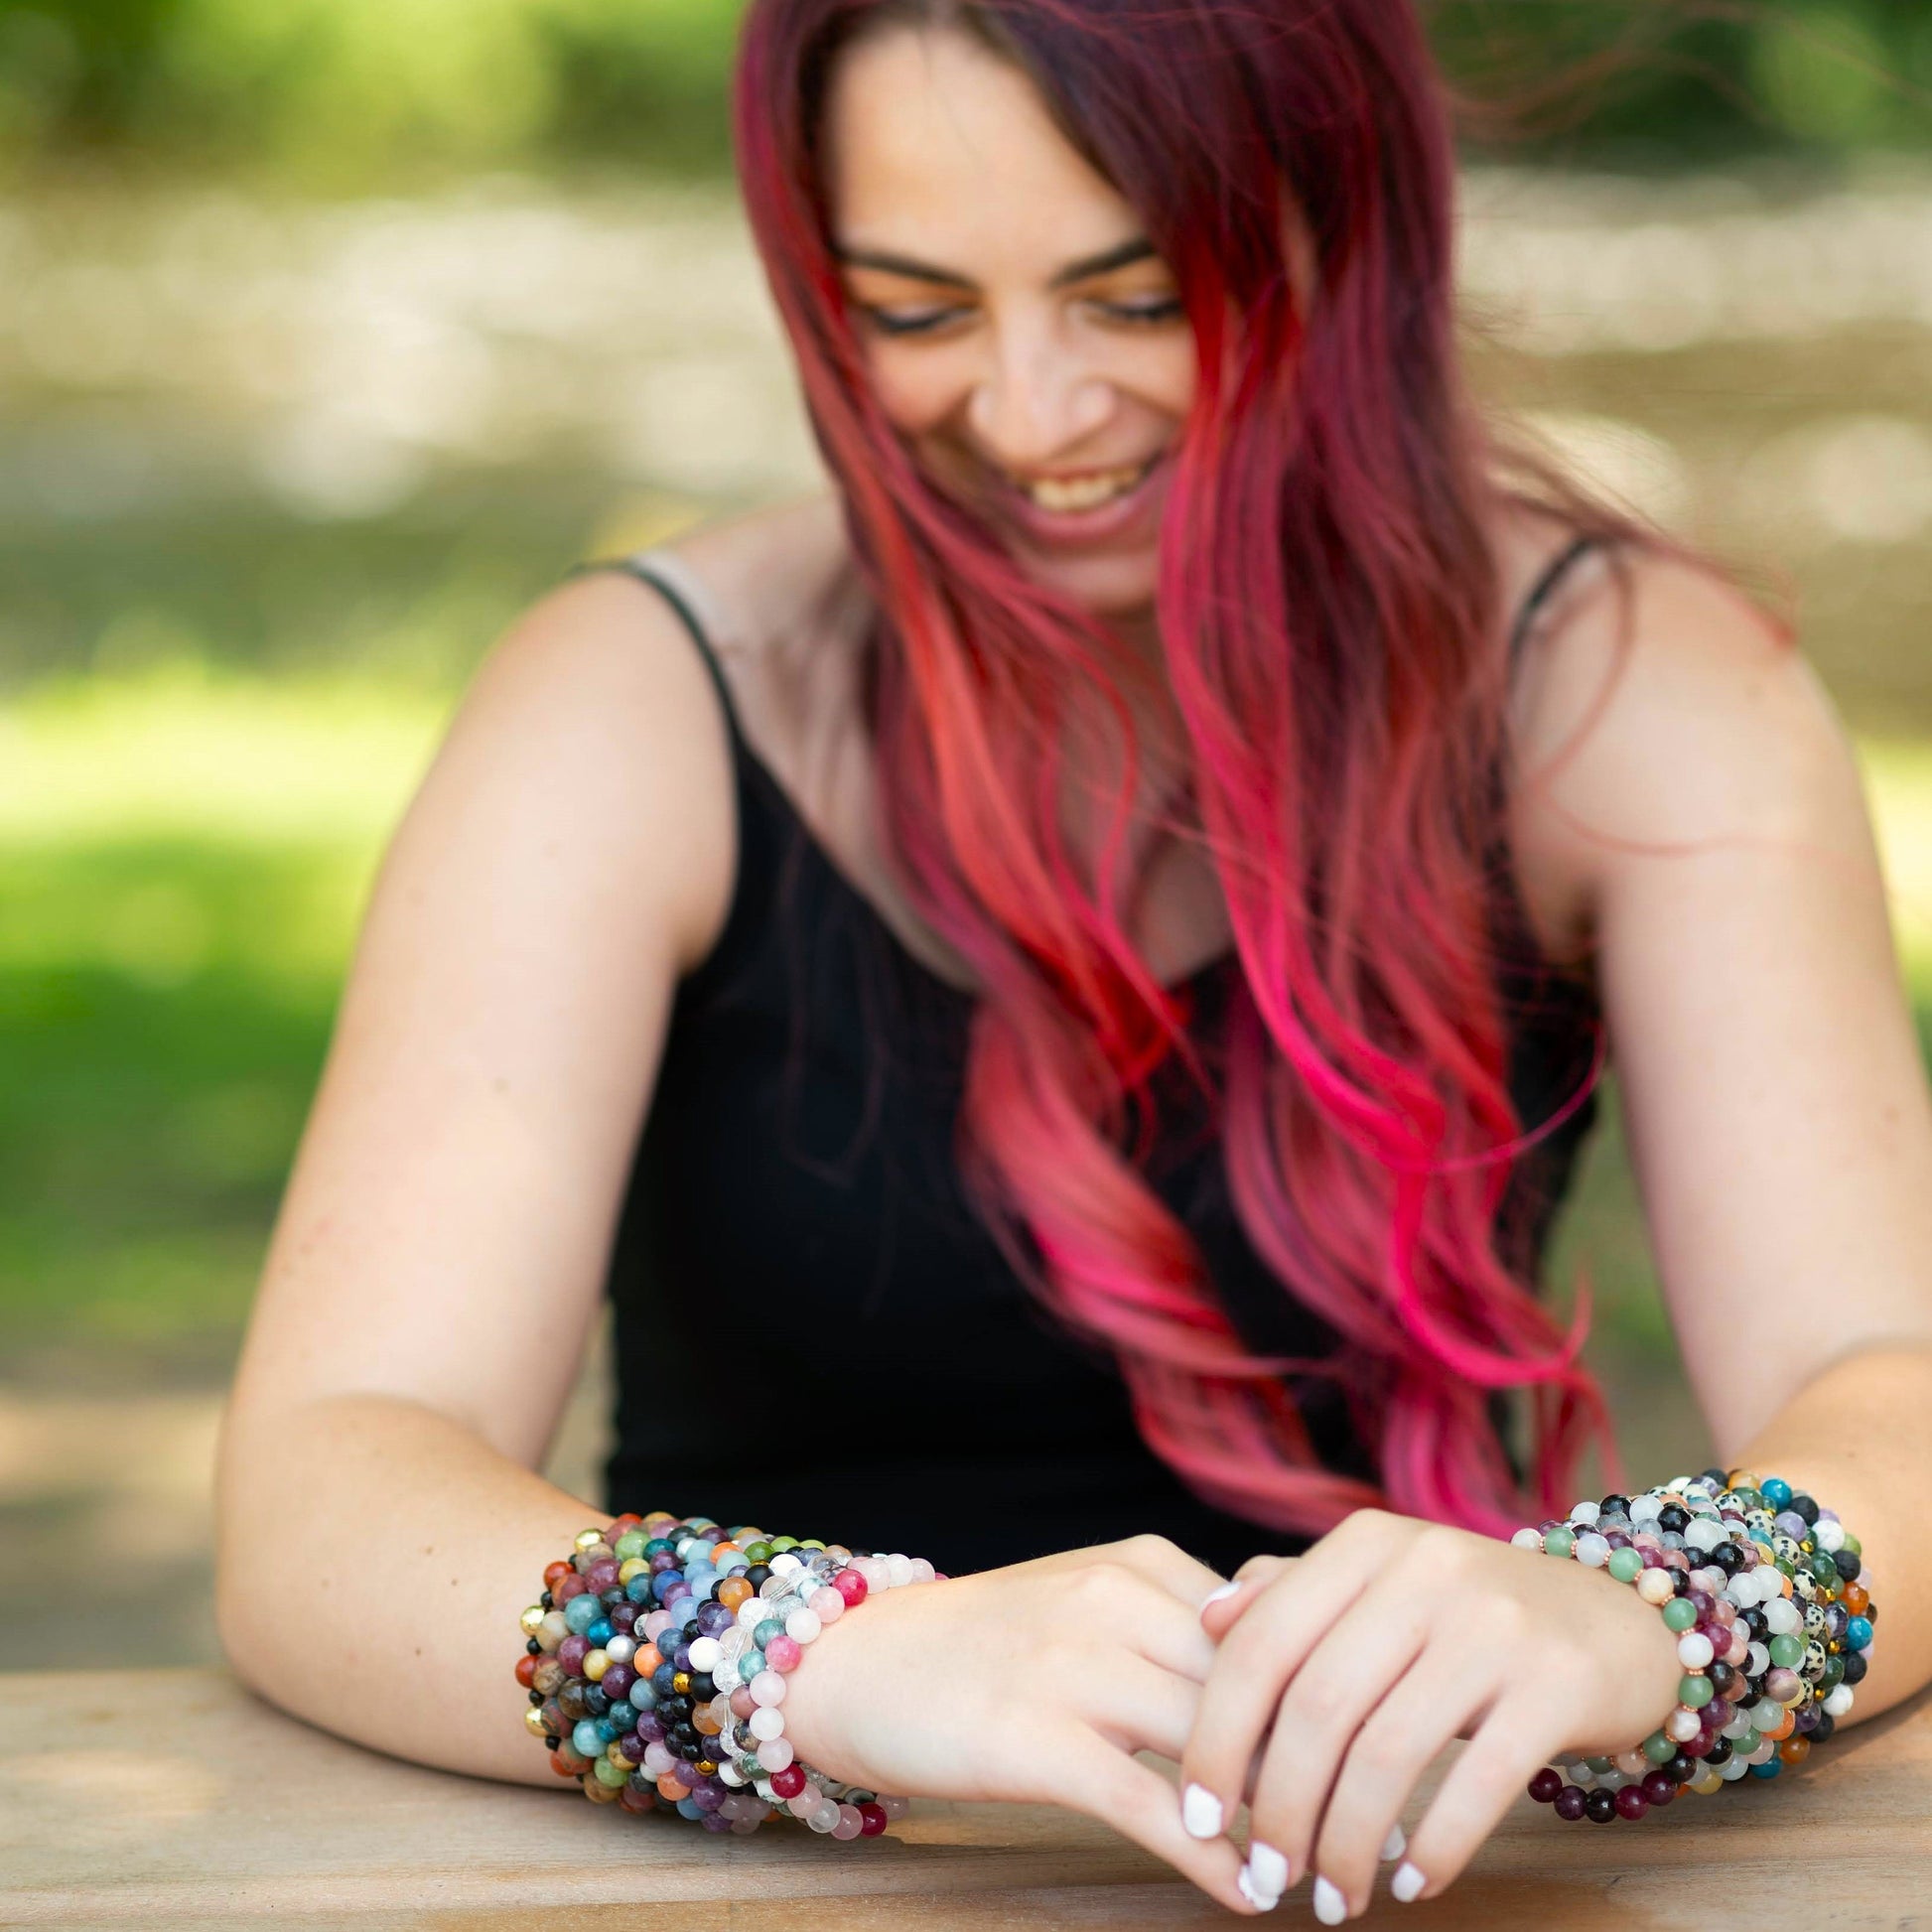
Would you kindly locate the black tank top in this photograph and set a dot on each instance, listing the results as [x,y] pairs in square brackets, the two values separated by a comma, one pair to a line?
[814,1333]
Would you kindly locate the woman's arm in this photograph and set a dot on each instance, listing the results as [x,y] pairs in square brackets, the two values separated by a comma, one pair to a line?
[439,1256]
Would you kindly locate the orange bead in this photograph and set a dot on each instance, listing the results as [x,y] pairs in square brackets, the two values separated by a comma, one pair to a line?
[555,1572]
[703,1722]
[668,1787]
[1794,1750]
[733,1591]
[1784,1726]
[526,1669]
[646,1660]
[1858,1599]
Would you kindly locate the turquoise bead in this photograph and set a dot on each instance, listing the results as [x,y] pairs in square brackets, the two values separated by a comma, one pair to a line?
[749,1665]
[1857,1632]
[584,1741]
[581,1611]
[1772,1766]
[1776,1492]
[766,1631]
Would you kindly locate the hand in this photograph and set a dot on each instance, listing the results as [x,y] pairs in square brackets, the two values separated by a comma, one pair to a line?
[1368,1654]
[1034,1683]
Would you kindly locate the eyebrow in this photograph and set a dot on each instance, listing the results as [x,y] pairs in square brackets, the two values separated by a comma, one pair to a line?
[1124,255]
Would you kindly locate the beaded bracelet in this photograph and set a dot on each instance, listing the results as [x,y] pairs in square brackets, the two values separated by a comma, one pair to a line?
[1772,1629]
[655,1664]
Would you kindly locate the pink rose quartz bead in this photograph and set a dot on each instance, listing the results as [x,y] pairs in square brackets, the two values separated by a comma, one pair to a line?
[783,1653]
[766,1722]
[826,1604]
[767,1688]
[807,1802]
[849,1823]
[775,1754]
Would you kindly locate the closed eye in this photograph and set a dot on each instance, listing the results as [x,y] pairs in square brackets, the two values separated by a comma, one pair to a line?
[922,322]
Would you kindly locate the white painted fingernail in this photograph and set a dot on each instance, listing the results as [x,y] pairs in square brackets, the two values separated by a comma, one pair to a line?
[1262,1901]
[1215,1596]
[1270,1869]
[1407,1883]
[1329,1906]
[1200,1812]
[1395,1844]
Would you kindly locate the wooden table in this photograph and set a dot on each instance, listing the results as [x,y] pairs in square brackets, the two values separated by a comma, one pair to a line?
[175,1799]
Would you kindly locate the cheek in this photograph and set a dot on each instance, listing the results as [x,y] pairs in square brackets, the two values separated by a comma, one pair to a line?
[916,392]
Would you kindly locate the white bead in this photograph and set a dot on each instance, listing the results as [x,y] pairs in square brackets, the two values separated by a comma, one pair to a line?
[728,1773]
[1829,1536]
[784,1563]
[1592,1551]
[1644,1509]
[705,1654]
[767,1721]
[1782,1616]
[1757,1660]
[1683,1725]
[802,1626]
[1693,1650]
[1704,1532]
[1585,1511]
[899,1570]
[1734,1768]
[922,1571]
[1839,1701]
[1527,1540]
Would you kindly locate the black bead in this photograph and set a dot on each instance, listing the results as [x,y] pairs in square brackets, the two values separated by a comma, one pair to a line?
[1756,1622]
[691,1752]
[1729,1558]
[703,1688]
[692,1631]
[613,1597]
[757,1573]
[533,1648]
[1721,1675]
[1681,1583]
[1681,1767]
[1855,1667]
[674,1709]
[1614,1505]
[597,1701]
[1823,1728]
[548,1601]
[682,1734]
[1805,1508]
[1848,1563]
[641,1782]
[1600,1807]
[1719,1751]
[536,1697]
[550,1743]
[1673,1516]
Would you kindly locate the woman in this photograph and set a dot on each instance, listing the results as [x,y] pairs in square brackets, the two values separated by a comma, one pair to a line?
[1057,987]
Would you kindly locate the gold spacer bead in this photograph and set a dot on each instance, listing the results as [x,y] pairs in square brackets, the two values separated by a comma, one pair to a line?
[588,1539]
[705,1768]
[533,1720]
[532,1620]
[681,1682]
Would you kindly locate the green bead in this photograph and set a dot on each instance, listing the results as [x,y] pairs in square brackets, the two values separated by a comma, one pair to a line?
[1788,1651]
[779,1543]
[1679,1614]
[1659,1749]
[1784,1565]
[1749,1742]
[1834,1674]
[1558,1543]
[812,1543]
[1693,1691]
[608,1773]
[1626,1564]
[1853,1544]
[769,1628]
[630,1544]
[1598,1764]
[1824,1569]
[758,1553]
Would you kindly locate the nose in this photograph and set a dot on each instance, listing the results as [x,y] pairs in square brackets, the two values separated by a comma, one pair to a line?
[1034,399]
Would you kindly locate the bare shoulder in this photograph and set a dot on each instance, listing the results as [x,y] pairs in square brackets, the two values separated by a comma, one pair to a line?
[1657,704]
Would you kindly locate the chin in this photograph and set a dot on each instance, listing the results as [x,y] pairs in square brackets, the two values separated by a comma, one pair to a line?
[1108,586]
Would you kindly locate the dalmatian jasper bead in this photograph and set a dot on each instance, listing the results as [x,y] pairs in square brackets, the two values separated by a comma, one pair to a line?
[1812,1667]
[1804,1586]
[1787,1547]
[1759,1521]
[1816,1622]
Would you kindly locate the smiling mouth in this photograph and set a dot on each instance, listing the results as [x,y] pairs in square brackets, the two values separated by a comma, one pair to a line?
[1071,493]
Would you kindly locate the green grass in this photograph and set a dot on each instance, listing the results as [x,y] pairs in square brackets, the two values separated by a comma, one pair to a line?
[186,853]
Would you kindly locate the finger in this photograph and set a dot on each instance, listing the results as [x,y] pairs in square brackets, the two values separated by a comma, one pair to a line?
[1520,1735]
[1357,1662]
[1256,1659]
[1224,1607]
[1138,1802]
[1398,1740]
[1139,1707]
[1154,1557]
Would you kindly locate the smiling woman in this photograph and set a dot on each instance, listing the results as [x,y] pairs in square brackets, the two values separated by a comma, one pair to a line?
[1056,988]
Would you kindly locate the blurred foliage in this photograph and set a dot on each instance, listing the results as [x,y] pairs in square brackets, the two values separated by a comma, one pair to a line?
[341,93]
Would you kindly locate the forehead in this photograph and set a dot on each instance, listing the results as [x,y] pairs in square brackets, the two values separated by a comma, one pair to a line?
[935,146]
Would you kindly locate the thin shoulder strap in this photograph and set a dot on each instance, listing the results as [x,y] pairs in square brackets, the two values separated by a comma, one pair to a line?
[646,568]
[1553,574]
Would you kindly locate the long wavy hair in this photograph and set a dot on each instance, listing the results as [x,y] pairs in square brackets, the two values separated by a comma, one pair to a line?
[1329,616]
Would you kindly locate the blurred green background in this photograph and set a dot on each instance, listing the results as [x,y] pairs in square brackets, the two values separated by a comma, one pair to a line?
[333,330]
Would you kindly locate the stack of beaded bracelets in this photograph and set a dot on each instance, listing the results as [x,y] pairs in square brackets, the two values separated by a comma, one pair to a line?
[657,1661]
[1772,1627]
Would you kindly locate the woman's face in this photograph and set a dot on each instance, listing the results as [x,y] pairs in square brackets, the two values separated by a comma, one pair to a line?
[1021,334]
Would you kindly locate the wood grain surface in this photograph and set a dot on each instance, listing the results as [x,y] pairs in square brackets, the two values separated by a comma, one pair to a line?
[176,1799]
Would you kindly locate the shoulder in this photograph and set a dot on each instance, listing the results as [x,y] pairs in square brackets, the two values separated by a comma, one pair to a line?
[1658,704]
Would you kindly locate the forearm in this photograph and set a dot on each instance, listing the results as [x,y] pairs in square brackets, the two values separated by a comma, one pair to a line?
[1858,1438]
[372,1556]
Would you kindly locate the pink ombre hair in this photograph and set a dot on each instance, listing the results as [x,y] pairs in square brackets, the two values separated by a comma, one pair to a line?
[1332,630]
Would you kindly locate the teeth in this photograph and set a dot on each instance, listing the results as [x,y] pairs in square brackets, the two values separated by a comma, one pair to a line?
[1086,492]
